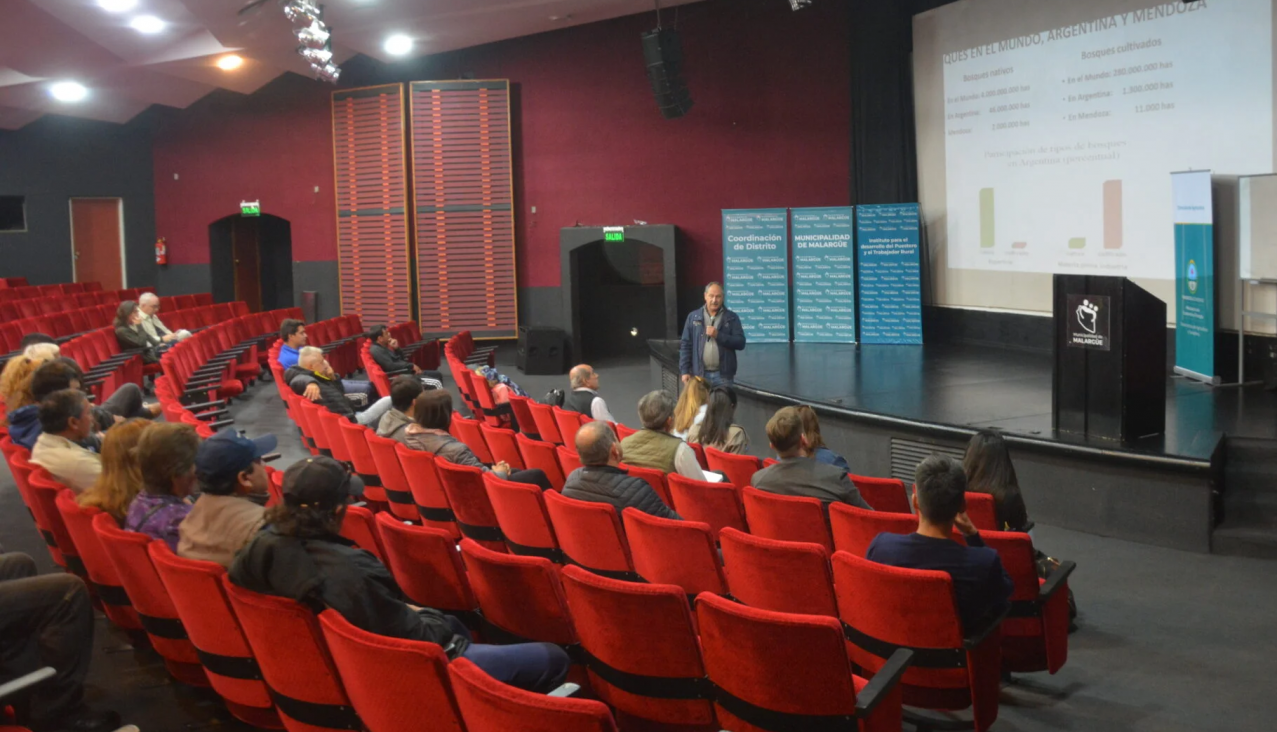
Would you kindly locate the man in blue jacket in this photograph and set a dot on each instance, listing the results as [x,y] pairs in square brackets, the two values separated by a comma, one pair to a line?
[711,337]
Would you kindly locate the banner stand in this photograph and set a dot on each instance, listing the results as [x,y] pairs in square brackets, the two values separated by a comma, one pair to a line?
[1194,276]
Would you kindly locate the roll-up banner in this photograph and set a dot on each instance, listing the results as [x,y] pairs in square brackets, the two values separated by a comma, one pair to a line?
[824,262]
[756,271]
[1194,275]
[888,252]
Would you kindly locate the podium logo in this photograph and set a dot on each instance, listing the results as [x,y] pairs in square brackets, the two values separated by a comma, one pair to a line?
[1087,319]
[1086,313]
[1192,277]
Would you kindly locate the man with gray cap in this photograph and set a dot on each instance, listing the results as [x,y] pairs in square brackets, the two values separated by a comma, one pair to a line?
[300,555]
[233,491]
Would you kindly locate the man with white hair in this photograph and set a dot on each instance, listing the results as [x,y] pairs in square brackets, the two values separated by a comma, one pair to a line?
[313,378]
[585,398]
[149,304]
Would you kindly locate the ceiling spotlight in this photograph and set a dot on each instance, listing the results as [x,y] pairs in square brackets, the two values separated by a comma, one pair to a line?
[314,36]
[799,4]
[398,45]
[316,56]
[147,24]
[328,72]
[303,11]
[230,62]
[117,6]
[68,91]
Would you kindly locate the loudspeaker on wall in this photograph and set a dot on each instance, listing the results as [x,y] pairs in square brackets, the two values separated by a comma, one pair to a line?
[663,52]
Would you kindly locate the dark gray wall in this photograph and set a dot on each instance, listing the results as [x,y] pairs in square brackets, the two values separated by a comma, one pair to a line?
[58,158]
[322,278]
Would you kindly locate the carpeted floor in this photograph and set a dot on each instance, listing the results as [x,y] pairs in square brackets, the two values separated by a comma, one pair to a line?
[1168,641]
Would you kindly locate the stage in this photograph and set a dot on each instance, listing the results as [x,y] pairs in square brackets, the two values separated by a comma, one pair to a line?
[886,407]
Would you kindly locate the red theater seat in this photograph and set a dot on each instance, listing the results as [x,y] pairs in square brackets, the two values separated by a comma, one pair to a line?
[523,418]
[654,478]
[103,578]
[546,426]
[523,518]
[717,504]
[491,706]
[785,576]
[884,494]
[1035,635]
[786,518]
[590,536]
[542,455]
[463,485]
[394,482]
[467,430]
[427,567]
[521,597]
[672,552]
[426,496]
[854,528]
[503,445]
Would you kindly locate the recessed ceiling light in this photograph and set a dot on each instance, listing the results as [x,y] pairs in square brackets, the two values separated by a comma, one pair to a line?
[147,24]
[68,91]
[230,62]
[398,45]
[117,6]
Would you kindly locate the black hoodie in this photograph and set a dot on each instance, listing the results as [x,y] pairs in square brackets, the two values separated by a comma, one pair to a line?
[330,572]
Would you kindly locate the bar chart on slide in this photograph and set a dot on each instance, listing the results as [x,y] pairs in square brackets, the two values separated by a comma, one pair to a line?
[1104,199]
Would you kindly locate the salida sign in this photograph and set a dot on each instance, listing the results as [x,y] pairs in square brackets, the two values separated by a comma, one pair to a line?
[1088,322]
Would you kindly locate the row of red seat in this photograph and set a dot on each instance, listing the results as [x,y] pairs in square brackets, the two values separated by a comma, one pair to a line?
[220,361]
[463,356]
[24,291]
[6,282]
[58,301]
[423,353]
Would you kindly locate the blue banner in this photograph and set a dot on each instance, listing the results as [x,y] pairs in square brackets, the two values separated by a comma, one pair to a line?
[1194,275]
[824,262]
[888,248]
[756,272]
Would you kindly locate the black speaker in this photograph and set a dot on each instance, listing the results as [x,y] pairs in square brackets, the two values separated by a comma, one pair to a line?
[542,350]
[663,52]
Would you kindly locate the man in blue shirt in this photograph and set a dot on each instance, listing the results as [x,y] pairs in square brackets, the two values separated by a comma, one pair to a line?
[980,585]
[293,333]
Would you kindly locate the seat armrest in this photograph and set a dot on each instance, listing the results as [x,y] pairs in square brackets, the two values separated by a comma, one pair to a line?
[271,457]
[565,690]
[1056,580]
[26,681]
[212,414]
[883,682]
[972,641]
[218,425]
[220,403]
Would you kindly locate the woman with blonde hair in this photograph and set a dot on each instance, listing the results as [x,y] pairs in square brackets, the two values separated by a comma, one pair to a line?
[691,406]
[121,478]
[15,380]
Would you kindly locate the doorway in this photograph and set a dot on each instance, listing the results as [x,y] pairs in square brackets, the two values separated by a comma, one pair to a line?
[97,242]
[251,259]
[623,287]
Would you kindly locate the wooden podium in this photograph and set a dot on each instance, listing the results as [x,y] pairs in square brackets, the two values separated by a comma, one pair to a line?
[1110,358]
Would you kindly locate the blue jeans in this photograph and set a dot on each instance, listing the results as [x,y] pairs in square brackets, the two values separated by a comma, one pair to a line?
[536,667]
[715,379]
[360,387]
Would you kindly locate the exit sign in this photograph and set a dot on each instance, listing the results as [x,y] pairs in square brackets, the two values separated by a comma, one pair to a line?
[250,208]
[613,233]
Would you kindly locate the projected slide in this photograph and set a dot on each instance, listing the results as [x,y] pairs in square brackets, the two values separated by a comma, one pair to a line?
[1059,140]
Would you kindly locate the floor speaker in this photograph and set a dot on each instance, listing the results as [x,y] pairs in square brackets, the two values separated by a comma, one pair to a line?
[663,52]
[542,350]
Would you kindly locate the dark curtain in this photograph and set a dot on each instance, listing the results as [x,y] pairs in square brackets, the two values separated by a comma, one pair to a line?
[884,164]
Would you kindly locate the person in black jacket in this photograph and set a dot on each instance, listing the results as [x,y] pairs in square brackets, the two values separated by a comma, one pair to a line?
[313,378]
[129,333]
[600,480]
[385,351]
[301,556]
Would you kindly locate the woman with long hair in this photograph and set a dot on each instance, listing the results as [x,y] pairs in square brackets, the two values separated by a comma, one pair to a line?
[717,429]
[15,380]
[129,332]
[121,477]
[690,409]
[816,447]
[989,470]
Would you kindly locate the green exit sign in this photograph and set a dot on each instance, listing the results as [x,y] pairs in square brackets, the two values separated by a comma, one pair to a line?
[613,233]
[250,208]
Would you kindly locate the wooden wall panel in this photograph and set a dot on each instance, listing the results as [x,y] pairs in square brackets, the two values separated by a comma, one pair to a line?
[464,198]
[374,259]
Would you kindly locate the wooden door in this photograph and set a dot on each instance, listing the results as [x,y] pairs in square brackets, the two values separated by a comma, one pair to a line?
[244,249]
[97,241]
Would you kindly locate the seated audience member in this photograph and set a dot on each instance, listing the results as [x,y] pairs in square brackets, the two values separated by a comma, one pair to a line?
[149,304]
[166,453]
[600,480]
[293,334]
[15,380]
[300,555]
[584,397]
[385,351]
[654,446]
[980,585]
[47,620]
[691,406]
[799,475]
[233,493]
[432,415]
[66,420]
[121,477]
[989,470]
[313,378]
[502,386]
[129,333]
[815,443]
[404,391]
[717,429]
[63,373]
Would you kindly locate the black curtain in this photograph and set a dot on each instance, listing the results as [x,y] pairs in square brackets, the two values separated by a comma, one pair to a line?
[884,160]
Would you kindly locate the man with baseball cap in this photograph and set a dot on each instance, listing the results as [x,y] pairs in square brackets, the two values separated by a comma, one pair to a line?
[233,489]
[300,555]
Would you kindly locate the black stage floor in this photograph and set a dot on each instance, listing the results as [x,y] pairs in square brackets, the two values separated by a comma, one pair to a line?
[972,387]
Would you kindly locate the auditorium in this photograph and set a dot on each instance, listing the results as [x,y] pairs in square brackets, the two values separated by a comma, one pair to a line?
[635,366]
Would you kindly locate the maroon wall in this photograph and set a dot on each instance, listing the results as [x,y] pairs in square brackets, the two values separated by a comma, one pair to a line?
[770,127]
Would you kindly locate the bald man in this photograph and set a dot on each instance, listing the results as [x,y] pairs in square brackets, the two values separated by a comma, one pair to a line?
[585,397]
[149,304]
[599,478]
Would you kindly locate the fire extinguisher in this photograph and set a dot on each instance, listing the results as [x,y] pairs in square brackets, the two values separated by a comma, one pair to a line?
[161,251]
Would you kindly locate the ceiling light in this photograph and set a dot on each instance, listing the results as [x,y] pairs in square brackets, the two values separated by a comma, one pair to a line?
[117,6]
[328,72]
[68,91]
[316,56]
[147,24]
[398,45]
[230,63]
[304,11]
[314,36]
[797,5]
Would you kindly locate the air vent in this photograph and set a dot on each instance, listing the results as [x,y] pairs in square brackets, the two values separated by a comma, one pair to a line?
[906,454]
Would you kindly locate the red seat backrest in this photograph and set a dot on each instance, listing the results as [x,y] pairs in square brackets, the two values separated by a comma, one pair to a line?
[546,426]
[521,596]
[523,416]
[568,459]
[426,565]
[568,423]
[673,552]
[105,580]
[541,455]
[360,527]
[503,445]
[421,478]
[590,535]
[982,510]
[522,516]
[739,469]
[717,504]
[491,706]
[785,576]
[1030,641]
[786,518]
[854,528]
[884,494]
[354,436]
[463,485]
[467,430]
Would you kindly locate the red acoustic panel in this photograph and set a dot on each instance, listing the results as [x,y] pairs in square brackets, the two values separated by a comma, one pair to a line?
[464,197]
[373,257]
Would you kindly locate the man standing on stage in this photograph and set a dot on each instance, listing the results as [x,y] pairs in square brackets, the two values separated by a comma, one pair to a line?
[711,337]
